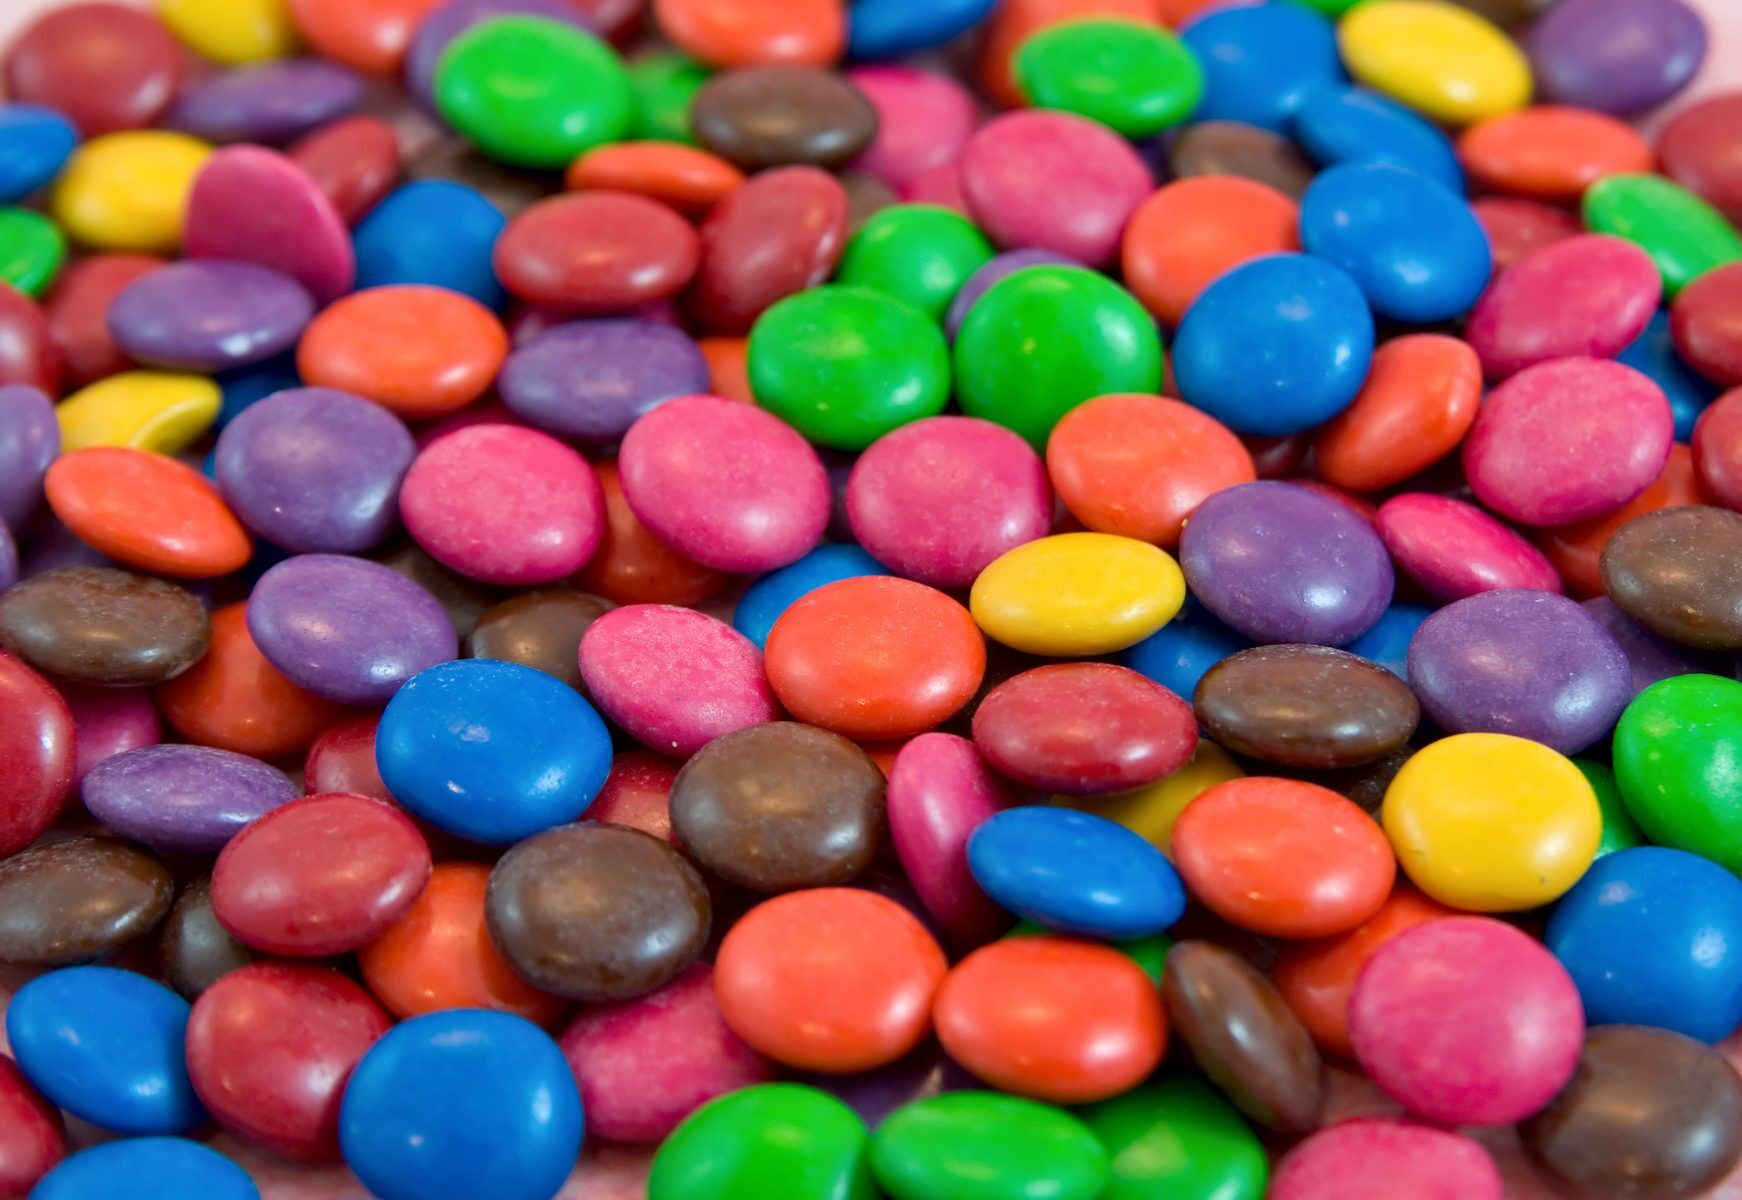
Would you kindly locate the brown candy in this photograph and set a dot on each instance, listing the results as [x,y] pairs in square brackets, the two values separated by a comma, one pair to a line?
[541,630]
[77,899]
[1649,1115]
[1235,148]
[194,950]
[1244,1036]
[1678,572]
[1306,706]
[780,806]
[775,116]
[1508,13]
[464,600]
[99,625]
[597,912]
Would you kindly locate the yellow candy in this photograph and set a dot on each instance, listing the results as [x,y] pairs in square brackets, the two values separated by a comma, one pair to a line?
[147,410]
[1487,822]
[232,31]
[127,191]
[1440,59]
[1150,812]
[1077,594]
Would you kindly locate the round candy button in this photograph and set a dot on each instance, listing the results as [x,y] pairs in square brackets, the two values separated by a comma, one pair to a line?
[148,1168]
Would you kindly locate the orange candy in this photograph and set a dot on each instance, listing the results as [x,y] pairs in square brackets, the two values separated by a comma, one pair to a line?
[1194,229]
[371,35]
[1137,465]
[1551,152]
[875,658]
[687,178]
[1575,549]
[756,33]
[829,979]
[146,511]
[1015,21]
[439,955]
[1420,397]
[1316,980]
[728,367]
[1283,857]
[235,700]
[1057,1019]
[632,566]
[419,351]
[1175,13]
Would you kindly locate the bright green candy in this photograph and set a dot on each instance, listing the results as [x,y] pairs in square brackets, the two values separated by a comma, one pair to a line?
[921,254]
[773,1139]
[1619,830]
[1684,235]
[1178,1140]
[1149,953]
[1331,8]
[665,86]
[32,249]
[985,1146]
[533,92]
[845,365]
[1044,339]
[1678,760]
[1136,79]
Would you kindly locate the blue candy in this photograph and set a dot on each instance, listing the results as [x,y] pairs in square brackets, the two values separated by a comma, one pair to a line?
[1387,643]
[1275,346]
[491,751]
[1354,125]
[891,28]
[1653,936]
[775,592]
[107,1046]
[1075,873]
[35,142]
[1416,250]
[433,231]
[1179,653]
[1262,63]
[251,384]
[1653,353]
[149,1168]
[460,1105]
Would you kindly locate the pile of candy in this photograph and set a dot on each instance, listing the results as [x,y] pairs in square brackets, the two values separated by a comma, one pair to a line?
[608,603]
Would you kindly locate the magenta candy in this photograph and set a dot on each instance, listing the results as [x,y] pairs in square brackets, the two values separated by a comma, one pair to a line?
[939,499]
[503,505]
[940,790]
[1386,1158]
[1589,295]
[724,484]
[1467,1021]
[941,186]
[107,722]
[255,205]
[923,121]
[1453,549]
[1055,181]
[646,1064]
[1569,440]
[674,678]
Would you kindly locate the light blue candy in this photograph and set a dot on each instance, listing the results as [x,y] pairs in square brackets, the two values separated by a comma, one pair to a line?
[775,592]
[35,142]
[436,232]
[1353,125]
[147,1168]
[1653,353]
[1261,63]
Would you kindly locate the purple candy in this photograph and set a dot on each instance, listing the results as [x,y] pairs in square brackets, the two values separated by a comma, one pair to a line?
[998,268]
[1650,658]
[184,798]
[920,1075]
[1280,563]
[315,469]
[209,315]
[54,547]
[449,21]
[267,103]
[1616,56]
[1532,664]
[347,629]
[590,380]
[8,558]
[29,441]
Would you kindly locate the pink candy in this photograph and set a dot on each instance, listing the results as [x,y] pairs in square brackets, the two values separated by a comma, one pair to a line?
[107,722]
[940,790]
[1454,550]
[255,205]
[923,121]
[1385,1158]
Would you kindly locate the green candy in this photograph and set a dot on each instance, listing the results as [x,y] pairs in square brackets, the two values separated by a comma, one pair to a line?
[1042,340]
[1135,79]
[1331,8]
[773,1139]
[1678,761]
[1178,1140]
[1149,953]
[845,365]
[921,254]
[32,249]
[1619,830]
[986,1146]
[533,92]
[1685,236]
[665,86]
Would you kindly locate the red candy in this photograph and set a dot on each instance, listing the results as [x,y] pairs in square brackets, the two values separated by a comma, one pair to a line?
[1706,321]
[33,1137]
[342,759]
[36,754]
[1516,228]
[107,67]
[780,233]
[1699,149]
[637,793]
[1717,449]
[354,162]
[596,252]
[78,307]
[27,349]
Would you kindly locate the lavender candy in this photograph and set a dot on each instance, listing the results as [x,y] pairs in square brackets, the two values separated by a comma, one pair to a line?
[209,315]
[590,380]
[190,799]
[267,103]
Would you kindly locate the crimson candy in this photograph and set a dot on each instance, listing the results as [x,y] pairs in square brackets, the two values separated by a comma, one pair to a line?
[33,1134]
[106,66]
[779,233]
[599,251]
[1452,549]
[1707,324]
[1588,295]
[36,754]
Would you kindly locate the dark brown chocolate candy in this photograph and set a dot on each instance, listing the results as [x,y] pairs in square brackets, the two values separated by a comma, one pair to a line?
[194,950]
[77,899]
[762,117]
[99,625]
[1678,572]
[1235,148]
[541,630]
[464,600]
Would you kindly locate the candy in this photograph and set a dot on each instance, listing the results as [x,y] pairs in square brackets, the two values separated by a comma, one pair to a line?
[689,180]
[183,798]
[35,1139]
[1650,658]
[921,254]
[416,350]
[1369,1158]
[27,353]
[780,233]
[103,626]
[591,379]
[1675,572]
[1697,149]
[1674,749]
[193,949]
[1133,79]
[1354,125]
[1575,550]
[432,35]
[1261,64]
[596,252]
[768,1135]
[757,33]
[146,511]
[1234,148]
[891,28]
[1551,152]
[940,790]
[1715,451]
[36,743]
[32,249]
[632,565]
[1616,56]
[432,231]
[108,67]
[1685,236]
[1707,324]
[771,595]
[1443,61]
[272,103]
[1077,594]
[980,1145]
[772,116]
[353,162]
[1177,1133]
[149,1168]
[1306,706]
[255,205]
